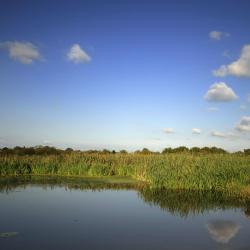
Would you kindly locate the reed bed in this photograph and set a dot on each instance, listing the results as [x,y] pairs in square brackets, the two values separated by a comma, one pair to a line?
[214,172]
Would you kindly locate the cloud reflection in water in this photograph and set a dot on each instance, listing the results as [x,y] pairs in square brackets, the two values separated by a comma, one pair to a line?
[222,231]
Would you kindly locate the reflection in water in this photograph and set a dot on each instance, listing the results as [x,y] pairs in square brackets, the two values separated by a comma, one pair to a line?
[184,203]
[247,212]
[177,202]
[117,219]
[10,184]
[222,231]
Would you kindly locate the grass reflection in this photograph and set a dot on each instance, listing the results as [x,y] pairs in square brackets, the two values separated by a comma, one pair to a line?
[177,202]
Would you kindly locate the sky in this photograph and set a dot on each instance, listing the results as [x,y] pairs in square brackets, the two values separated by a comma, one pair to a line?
[125,74]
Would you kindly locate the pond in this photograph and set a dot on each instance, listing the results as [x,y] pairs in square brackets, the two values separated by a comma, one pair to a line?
[54,213]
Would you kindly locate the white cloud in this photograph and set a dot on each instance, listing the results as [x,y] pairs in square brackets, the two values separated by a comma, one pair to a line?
[220,92]
[218,35]
[168,130]
[219,134]
[24,52]
[244,124]
[77,55]
[240,67]
[212,109]
[222,231]
[196,131]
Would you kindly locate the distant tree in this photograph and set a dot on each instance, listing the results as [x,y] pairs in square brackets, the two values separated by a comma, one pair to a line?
[7,151]
[247,151]
[167,151]
[18,150]
[213,150]
[195,150]
[181,149]
[68,150]
[106,151]
[217,150]
[123,151]
[205,150]
[29,151]
[91,151]
[137,152]
[47,150]
[145,151]
[238,153]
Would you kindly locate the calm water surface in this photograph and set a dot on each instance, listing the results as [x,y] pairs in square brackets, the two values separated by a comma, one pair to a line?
[106,216]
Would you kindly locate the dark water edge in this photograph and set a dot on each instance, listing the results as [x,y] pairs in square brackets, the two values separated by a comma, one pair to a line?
[40,212]
[9,183]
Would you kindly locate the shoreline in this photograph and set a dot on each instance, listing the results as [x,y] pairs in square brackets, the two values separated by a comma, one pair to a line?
[181,171]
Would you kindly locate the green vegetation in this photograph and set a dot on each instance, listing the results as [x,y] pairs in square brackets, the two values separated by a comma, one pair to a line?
[179,169]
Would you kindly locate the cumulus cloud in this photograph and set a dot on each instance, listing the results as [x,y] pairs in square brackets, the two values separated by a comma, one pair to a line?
[24,52]
[196,131]
[77,55]
[240,67]
[222,231]
[244,124]
[218,35]
[220,92]
[168,130]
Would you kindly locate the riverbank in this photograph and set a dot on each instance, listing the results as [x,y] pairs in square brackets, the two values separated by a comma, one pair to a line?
[215,172]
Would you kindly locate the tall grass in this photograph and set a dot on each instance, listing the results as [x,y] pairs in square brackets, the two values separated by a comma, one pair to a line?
[218,172]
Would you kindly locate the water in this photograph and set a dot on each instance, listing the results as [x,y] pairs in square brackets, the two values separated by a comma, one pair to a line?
[47,214]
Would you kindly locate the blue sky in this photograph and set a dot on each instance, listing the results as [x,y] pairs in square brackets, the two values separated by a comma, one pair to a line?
[125,74]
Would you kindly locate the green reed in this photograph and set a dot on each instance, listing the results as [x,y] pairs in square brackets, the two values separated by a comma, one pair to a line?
[218,172]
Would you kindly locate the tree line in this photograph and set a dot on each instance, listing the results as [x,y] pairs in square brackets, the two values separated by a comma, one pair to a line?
[48,150]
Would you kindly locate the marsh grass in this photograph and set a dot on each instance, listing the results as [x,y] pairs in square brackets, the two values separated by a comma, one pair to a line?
[215,172]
